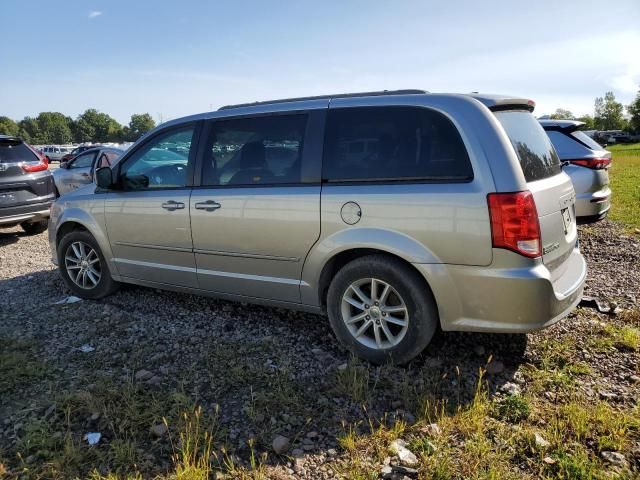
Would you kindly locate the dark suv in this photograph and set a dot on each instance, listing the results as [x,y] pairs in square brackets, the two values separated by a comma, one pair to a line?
[26,186]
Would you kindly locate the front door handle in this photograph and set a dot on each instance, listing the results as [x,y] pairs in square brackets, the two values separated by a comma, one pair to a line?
[172,205]
[209,205]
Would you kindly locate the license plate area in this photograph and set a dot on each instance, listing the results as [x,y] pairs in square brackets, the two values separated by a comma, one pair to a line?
[566,219]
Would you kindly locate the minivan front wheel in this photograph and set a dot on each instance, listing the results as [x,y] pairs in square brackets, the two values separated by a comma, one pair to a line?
[83,267]
[381,309]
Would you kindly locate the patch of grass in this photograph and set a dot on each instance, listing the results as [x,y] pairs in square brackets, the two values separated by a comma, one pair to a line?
[624,177]
[19,364]
[557,370]
[354,381]
[621,337]
[365,452]
[598,425]
[123,414]
[513,409]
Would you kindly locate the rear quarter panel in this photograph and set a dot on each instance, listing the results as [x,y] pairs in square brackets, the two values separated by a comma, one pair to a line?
[425,223]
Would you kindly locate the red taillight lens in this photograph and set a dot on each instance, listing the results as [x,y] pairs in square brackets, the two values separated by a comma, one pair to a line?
[593,163]
[514,223]
[31,167]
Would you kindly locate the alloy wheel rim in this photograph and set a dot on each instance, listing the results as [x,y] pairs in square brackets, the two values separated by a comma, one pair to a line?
[83,265]
[374,313]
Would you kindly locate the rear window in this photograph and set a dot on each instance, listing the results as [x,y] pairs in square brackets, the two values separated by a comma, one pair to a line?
[537,157]
[393,144]
[586,139]
[13,151]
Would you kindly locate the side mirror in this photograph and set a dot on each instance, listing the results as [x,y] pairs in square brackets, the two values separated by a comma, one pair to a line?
[104,178]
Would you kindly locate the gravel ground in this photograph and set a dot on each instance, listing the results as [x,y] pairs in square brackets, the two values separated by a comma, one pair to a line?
[267,372]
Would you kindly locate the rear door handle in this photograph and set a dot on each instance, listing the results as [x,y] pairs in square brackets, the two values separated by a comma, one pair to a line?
[209,205]
[172,205]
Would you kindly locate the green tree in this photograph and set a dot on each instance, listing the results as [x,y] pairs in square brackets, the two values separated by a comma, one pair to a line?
[95,126]
[562,114]
[608,113]
[8,127]
[634,110]
[140,124]
[54,128]
[30,131]
[588,120]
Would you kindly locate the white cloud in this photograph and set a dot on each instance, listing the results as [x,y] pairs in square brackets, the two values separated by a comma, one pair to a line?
[94,14]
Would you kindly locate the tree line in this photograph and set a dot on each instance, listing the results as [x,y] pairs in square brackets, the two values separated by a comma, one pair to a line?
[91,126]
[608,114]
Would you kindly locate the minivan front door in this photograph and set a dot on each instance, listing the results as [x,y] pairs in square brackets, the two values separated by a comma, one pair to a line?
[257,213]
[148,218]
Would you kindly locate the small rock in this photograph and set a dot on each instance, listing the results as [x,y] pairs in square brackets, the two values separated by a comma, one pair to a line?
[396,404]
[142,375]
[494,367]
[549,460]
[406,456]
[342,367]
[510,388]
[159,430]
[405,470]
[614,458]
[386,470]
[433,429]
[296,452]
[541,442]
[280,444]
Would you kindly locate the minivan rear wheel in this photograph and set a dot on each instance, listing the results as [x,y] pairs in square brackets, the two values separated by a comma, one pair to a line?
[83,267]
[381,309]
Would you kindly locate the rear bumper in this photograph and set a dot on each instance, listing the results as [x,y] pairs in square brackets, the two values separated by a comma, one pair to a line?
[505,300]
[593,204]
[24,213]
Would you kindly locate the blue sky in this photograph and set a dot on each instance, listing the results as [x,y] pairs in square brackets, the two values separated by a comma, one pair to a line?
[177,58]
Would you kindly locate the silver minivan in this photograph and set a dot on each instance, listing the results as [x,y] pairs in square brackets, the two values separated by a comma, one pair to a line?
[394,213]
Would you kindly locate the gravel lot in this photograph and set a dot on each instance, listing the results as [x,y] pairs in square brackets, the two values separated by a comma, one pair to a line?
[265,372]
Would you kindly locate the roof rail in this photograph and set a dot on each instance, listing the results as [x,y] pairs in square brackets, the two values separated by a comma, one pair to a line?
[320,97]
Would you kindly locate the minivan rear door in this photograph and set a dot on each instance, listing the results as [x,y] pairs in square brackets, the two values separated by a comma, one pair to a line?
[551,188]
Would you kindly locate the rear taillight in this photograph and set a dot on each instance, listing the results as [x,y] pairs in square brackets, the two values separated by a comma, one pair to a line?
[593,163]
[514,223]
[40,165]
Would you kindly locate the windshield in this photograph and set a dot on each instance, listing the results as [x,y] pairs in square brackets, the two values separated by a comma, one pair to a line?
[537,156]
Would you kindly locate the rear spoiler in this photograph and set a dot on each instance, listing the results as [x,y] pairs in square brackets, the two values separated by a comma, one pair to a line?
[498,103]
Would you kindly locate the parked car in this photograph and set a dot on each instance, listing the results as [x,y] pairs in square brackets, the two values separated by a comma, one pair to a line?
[459,215]
[75,152]
[587,163]
[79,171]
[54,154]
[26,186]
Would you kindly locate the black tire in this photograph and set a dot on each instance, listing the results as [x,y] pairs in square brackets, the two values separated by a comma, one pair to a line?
[35,228]
[105,286]
[412,289]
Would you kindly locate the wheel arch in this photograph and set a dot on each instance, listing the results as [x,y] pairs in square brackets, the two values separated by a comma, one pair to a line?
[335,263]
[78,219]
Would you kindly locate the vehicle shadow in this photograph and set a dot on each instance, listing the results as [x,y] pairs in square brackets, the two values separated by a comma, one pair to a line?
[7,237]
